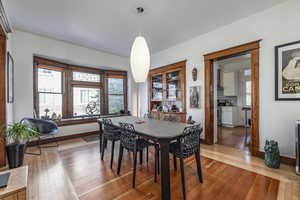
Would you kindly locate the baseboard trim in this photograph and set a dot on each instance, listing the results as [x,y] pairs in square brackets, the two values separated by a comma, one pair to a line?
[283,159]
[61,138]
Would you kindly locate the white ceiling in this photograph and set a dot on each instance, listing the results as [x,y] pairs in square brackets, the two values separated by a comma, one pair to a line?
[111,25]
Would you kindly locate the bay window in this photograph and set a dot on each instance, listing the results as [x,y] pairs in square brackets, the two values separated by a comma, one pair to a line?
[76,92]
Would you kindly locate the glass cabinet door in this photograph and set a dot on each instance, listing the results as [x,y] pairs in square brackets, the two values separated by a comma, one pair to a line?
[157,87]
[173,89]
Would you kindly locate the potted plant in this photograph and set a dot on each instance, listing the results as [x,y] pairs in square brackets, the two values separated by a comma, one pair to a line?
[17,135]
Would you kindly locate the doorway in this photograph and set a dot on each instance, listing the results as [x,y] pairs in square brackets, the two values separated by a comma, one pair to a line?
[232,87]
[252,49]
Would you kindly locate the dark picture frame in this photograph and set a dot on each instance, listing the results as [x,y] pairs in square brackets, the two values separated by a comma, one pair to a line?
[287,72]
[10,78]
[195,97]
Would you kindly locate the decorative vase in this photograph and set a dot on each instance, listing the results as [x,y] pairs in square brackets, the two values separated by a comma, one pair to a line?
[272,155]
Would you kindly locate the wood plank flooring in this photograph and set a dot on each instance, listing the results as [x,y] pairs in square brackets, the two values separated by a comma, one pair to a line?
[234,137]
[74,171]
[93,178]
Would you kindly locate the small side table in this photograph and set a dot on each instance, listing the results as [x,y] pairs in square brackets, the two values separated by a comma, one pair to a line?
[17,184]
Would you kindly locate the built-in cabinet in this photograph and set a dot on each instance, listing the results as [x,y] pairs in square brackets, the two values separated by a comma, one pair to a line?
[167,92]
[230,116]
[230,83]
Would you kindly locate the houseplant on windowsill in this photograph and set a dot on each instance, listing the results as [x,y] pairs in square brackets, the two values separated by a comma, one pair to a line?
[16,136]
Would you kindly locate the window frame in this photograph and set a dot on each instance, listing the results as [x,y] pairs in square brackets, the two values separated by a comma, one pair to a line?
[116,76]
[68,84]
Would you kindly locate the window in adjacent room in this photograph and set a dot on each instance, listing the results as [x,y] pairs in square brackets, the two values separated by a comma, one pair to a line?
[248,93]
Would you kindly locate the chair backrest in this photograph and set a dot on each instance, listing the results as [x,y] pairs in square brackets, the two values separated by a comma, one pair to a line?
[107,123]
[128,136]
[42,126]
[190,139]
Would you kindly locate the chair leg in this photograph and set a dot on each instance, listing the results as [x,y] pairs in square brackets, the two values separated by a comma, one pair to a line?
[103,148]
[155,164]
[112,153]
[147,156]
[141,157]
[158,164]
[100,142]
[182,178]
[199,169]
[175,162]
[134,167]
[120,159]
[39,148]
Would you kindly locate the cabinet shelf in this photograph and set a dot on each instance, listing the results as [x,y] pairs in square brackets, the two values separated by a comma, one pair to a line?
[172,78]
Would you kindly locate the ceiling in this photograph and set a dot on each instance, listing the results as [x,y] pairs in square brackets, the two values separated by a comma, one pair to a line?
[111,25]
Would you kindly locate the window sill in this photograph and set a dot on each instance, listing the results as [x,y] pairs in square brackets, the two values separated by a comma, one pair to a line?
[74,121]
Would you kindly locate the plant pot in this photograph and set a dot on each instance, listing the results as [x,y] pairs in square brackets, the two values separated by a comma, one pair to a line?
[15,154]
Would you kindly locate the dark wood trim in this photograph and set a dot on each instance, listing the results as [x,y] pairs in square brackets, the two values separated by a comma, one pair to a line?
[70,122]
[167,67]
[254,101]
[209,102]
[232,50]
[179,66]
[283,159]
[253,49]
[62,138]
[2,96]
[68,84]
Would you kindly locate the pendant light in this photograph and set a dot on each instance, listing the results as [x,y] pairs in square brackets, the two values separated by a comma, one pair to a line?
[140,57]
[139,61]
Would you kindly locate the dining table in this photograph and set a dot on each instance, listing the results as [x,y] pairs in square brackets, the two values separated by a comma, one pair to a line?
[161,132]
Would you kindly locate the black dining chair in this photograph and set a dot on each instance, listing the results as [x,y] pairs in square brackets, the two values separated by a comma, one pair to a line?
[44,128]
[187,145]
[112,134]
[133,143]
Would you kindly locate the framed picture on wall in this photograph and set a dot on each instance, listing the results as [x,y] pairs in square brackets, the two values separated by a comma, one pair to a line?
[10,78]
[195,97]
[287,72]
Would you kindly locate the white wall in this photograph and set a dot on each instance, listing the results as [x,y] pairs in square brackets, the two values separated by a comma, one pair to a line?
[25,45]
[277,25]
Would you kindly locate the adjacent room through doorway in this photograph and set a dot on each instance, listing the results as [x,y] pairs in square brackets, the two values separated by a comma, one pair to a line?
[233,101]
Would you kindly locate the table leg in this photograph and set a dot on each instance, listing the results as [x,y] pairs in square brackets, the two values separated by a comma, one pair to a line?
[165,169]
[100,136]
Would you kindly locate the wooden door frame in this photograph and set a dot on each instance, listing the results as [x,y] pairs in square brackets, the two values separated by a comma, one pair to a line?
[253,49]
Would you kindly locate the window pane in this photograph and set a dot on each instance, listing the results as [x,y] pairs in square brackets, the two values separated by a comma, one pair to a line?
[52,102]
[86,77]
[115,86]
[247,72]
[115,103]
[86,101]
[49,80]
[248,93]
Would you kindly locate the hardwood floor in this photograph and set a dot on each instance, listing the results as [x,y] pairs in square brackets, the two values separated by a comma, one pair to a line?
[74,171]
[234,137]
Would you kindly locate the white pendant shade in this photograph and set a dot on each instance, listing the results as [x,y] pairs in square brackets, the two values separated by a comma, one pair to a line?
[140,59]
